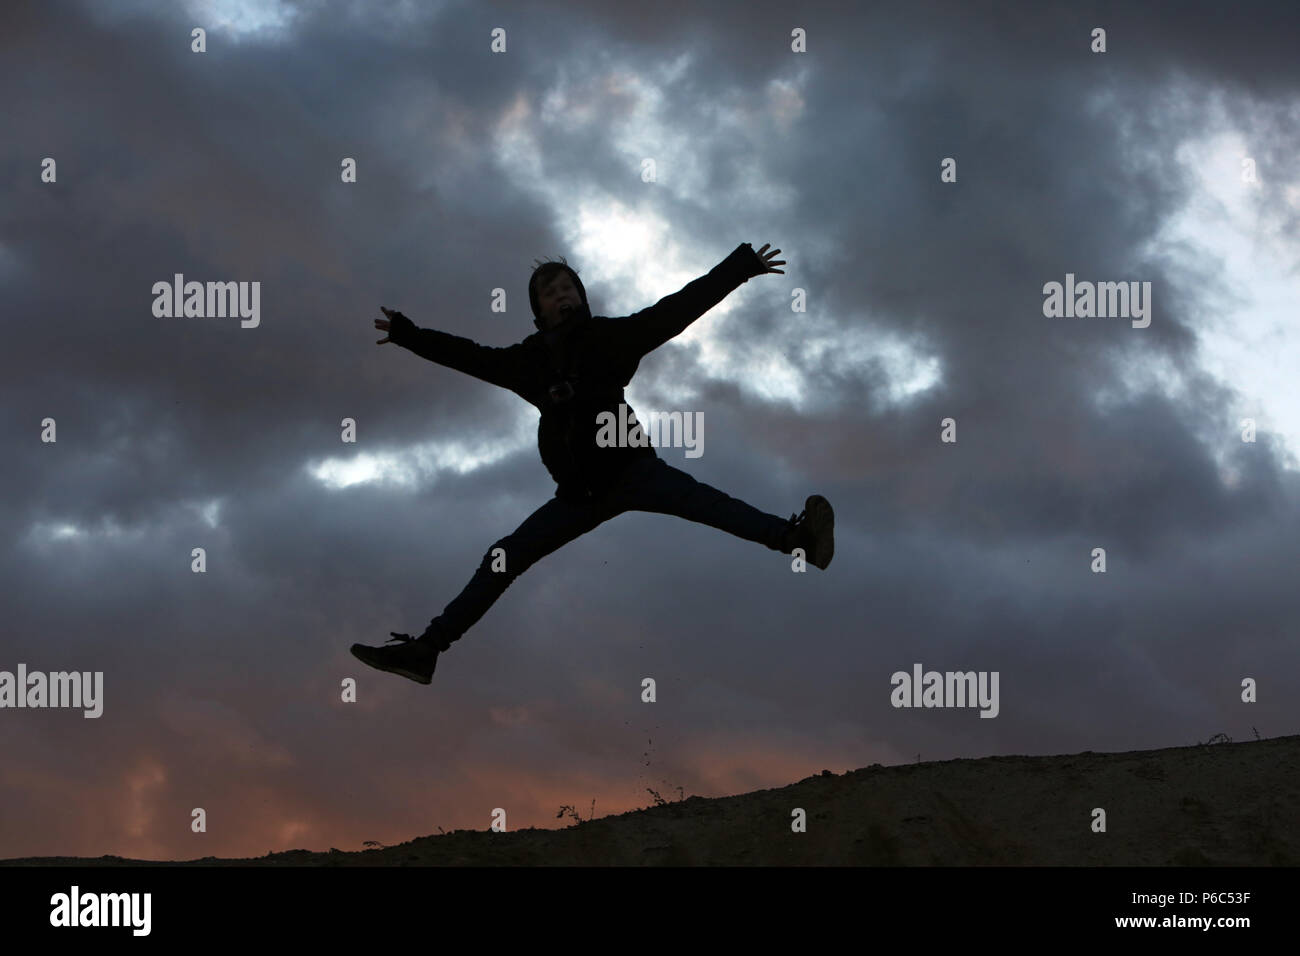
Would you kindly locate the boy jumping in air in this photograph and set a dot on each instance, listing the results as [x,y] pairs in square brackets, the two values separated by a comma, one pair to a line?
[574,367]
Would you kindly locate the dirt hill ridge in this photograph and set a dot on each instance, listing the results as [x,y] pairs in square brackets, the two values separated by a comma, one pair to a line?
[1213,804]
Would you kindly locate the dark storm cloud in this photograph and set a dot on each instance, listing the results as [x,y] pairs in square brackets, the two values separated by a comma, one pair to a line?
[221,690]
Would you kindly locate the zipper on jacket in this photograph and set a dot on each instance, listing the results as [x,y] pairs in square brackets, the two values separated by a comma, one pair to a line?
[563,372]
[573,458]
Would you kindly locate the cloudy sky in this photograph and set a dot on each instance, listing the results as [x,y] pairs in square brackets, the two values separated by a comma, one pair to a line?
[924,303]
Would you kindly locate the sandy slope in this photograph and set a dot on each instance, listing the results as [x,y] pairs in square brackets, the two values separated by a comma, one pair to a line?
[1220,804]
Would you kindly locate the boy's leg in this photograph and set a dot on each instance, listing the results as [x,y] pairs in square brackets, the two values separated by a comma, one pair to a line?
[661,488]
[547,529]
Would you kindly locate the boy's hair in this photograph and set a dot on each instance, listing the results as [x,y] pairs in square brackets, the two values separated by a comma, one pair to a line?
[542,274]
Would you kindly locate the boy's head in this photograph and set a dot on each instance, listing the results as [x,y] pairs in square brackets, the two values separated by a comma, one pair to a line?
[553,289]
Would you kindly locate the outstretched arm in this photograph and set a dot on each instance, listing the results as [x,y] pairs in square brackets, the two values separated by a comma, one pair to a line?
[499,366]
[652,327]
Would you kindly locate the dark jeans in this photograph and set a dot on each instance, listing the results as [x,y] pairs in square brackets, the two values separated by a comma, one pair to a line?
[648,484]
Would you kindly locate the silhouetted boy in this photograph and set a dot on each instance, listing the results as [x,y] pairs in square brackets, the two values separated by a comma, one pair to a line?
[573,368]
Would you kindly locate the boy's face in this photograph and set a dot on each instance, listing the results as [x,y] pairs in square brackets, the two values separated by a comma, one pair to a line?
[554,297]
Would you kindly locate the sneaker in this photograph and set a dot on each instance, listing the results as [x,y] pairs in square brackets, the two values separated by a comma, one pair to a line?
[414,657]
[814,531]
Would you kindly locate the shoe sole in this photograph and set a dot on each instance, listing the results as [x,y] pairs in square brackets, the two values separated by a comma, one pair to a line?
[821,518]
[364,654]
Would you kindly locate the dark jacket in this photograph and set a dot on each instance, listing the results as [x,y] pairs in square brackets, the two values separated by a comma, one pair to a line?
[596,356]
